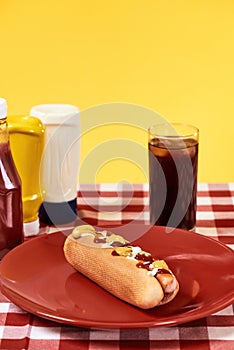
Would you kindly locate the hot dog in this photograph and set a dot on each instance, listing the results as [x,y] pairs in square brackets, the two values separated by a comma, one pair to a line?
[124,270]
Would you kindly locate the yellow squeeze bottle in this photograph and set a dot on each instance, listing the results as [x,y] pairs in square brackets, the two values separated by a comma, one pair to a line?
[27,136]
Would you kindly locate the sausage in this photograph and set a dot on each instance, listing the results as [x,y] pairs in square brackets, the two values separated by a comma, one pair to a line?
[124,270]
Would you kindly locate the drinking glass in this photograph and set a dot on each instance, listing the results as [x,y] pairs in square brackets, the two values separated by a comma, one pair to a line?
[173,160]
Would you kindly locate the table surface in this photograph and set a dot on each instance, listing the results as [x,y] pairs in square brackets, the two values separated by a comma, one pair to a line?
[119,204]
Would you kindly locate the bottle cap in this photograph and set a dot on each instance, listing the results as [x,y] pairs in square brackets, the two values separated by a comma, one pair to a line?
[3,108]
[51,114]
[31,228]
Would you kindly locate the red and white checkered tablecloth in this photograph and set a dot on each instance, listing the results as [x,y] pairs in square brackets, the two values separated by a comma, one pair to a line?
[120,204]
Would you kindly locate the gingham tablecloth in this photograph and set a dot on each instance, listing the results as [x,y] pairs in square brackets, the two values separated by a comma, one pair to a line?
[120,204]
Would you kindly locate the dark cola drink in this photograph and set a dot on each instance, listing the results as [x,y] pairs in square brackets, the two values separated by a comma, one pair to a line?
[173,182]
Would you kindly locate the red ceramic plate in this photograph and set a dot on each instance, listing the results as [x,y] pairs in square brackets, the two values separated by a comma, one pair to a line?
[36,277]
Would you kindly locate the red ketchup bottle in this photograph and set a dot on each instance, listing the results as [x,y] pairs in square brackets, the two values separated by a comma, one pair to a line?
[11,217]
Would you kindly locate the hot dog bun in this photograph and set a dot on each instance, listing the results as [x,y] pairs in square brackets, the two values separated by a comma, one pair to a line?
[114,269]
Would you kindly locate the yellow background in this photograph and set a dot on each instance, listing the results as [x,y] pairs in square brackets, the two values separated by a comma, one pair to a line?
[175,57]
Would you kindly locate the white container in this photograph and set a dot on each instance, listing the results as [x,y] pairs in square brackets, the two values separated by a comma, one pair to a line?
[60,161]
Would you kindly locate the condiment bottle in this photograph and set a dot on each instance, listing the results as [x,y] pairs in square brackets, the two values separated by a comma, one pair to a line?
[60,161]
[27,135]
[11,215]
